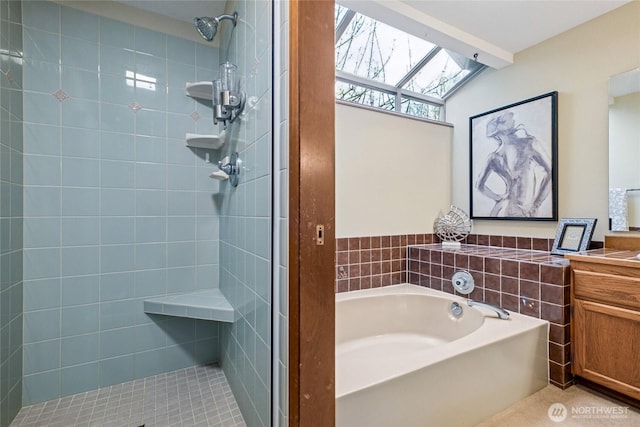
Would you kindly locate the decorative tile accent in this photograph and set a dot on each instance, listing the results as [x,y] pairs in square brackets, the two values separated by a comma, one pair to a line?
[135,107]
[195,116]
[60,95]
[176,398]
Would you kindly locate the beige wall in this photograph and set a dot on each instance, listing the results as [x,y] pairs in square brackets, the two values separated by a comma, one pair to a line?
[577,64]
[392,173]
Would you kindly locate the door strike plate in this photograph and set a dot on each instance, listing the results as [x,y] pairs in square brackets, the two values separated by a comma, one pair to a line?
[319,234]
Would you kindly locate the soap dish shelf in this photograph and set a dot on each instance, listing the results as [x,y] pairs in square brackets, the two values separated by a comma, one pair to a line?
[210,142]
[200,90]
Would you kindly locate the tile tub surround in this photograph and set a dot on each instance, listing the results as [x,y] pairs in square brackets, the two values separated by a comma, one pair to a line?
[514,242]
[517,242]
[371,262]
[529,282]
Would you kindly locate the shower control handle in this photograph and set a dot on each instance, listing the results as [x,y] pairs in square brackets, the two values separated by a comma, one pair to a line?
[463,282]
[231,166]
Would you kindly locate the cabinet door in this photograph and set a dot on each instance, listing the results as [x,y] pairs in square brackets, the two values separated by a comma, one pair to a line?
[607,346]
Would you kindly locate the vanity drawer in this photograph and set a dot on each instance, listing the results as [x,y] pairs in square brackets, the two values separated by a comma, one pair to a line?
[611,288]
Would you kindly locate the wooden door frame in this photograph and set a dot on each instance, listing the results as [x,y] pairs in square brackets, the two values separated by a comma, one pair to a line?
[311,202]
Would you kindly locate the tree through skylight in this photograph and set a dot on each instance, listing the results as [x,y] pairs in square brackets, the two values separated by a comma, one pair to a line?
[383,67]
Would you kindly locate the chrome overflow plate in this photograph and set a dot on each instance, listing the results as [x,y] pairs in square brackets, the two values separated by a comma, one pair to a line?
[463,282]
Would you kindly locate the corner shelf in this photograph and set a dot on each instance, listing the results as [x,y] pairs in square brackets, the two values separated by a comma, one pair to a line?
[200,90]
[211,142]
[219,175]
[205,305]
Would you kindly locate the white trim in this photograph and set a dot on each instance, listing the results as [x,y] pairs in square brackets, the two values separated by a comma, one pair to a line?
[393,113]
[385,87]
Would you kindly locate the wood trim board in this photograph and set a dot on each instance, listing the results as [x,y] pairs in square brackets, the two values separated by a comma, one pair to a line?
[311,204]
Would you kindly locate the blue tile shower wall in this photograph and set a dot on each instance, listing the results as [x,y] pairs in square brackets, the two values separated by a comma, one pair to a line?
[282,119]
[116,207]
[245,222]
[11,286]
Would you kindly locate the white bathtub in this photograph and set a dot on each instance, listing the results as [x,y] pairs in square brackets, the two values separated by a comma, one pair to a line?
[402,360]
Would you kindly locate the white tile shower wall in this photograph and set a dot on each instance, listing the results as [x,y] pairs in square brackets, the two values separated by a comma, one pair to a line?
[116,207]
[11,285]
[246,220]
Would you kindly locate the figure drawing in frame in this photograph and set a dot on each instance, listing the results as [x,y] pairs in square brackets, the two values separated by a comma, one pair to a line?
[512,161]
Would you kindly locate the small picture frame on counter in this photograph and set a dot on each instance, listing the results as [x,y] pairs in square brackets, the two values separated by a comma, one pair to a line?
[573,235]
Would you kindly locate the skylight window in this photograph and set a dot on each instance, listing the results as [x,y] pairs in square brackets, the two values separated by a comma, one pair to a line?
[383,67]
[438,76]
[376,51]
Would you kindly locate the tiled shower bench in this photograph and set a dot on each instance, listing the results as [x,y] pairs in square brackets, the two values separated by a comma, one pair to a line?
[205,305]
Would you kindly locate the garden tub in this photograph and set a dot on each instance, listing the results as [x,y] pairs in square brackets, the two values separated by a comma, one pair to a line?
[404,359]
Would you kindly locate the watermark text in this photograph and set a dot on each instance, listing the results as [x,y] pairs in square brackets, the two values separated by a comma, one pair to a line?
[558,412]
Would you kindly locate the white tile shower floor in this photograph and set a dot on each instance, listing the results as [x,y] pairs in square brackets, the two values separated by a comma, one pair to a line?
[191,397]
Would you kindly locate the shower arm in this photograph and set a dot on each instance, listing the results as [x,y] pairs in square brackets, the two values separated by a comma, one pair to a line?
[233,18]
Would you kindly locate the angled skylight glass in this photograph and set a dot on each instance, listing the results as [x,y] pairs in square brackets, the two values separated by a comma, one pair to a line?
[376,51]
[441,74]
[384,67]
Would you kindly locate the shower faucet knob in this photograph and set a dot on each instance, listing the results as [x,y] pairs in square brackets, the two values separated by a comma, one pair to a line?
[231,166]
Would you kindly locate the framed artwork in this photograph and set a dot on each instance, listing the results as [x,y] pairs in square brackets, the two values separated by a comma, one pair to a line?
[513,160]
[573,235]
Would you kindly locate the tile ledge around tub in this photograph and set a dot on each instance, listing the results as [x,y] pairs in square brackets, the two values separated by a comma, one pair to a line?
[205,305]
[500,252]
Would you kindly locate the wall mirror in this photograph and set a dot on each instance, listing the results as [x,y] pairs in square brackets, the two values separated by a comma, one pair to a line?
[624,151]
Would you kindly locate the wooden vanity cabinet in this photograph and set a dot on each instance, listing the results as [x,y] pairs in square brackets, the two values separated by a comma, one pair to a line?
[605,322]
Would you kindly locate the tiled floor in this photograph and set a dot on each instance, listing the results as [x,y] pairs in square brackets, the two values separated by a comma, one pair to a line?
[193,397]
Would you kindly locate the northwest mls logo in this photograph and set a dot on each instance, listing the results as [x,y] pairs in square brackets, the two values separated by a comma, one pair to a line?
[557,412]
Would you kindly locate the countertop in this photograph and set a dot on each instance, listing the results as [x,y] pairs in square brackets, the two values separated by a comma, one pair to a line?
[625,258]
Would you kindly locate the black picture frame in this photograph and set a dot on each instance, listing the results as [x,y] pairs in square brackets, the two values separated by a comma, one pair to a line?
[513,157]
[573,235]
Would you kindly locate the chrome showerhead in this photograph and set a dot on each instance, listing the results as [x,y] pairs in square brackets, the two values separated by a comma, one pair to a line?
[208,26]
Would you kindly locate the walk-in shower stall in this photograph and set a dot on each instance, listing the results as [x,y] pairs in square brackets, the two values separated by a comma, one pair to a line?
[137,213]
